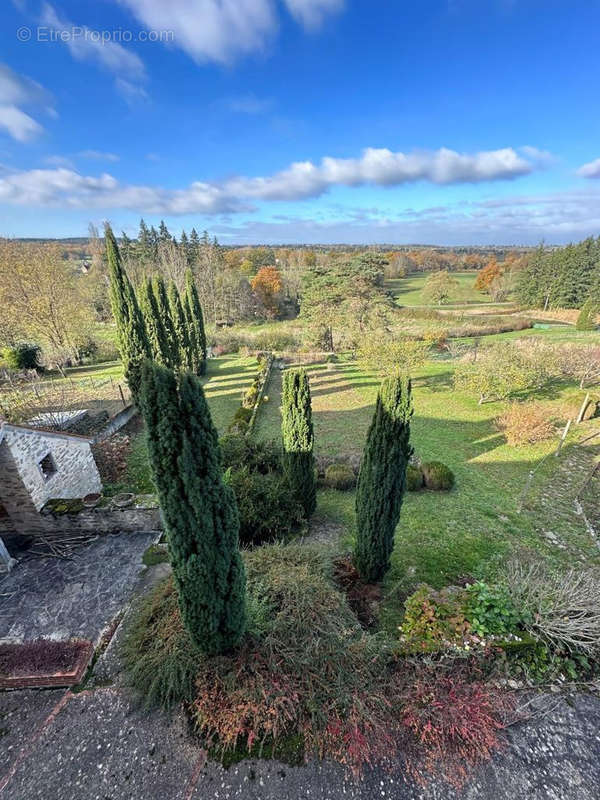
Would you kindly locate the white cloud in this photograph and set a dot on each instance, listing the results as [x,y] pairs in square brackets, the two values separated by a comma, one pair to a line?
[98,155]
[590,170]
[18,124]
[17,91]
[312,13]
[64,187]
[126,66]
[222,30]
[247,104]
[59,161]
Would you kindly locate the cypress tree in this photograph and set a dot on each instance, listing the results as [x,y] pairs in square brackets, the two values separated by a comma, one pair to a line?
[132,338]
[195,320]
[382,478]
[186,359]
[200,511]
[164,312]
[298,437]
[157,334]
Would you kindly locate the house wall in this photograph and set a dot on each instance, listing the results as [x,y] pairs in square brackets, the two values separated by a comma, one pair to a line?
[76,472]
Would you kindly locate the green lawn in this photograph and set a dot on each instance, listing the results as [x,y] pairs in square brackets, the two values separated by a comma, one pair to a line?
[471,530]
[408,291]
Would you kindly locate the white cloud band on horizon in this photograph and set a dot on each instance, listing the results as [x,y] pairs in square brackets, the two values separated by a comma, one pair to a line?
[301,180]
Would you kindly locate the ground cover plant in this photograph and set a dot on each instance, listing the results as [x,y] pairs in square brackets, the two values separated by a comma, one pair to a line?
[39,657]
[308,673]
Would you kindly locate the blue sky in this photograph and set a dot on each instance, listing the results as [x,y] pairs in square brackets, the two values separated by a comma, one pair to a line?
[442,121]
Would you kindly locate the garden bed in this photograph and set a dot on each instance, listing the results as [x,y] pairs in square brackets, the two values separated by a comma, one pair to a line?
[44,663]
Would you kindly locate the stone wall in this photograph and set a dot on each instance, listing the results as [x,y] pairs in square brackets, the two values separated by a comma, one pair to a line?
[76,473]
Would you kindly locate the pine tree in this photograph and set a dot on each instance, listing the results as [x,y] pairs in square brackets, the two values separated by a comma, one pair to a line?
[298,437]
[131,331]
[186,359]
[163,233]
[195,320]
[200,511]
[184,243]
[157,334]
[382,478]
[586,321]
[194,247]
[164,312]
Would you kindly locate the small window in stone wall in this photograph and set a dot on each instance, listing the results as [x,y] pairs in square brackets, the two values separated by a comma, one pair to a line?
[3,512]
[47,466]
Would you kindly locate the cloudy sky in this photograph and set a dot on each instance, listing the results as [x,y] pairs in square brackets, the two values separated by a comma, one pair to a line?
[442,121]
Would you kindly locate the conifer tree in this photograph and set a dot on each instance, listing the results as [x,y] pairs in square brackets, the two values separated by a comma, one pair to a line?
[298,437]
[164,312]
[186,359]
[200,511]
[382,478]
[157,334]
[131,331]
[195,320]
[586,321]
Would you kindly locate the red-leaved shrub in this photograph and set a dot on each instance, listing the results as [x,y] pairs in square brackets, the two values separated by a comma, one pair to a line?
[454,721]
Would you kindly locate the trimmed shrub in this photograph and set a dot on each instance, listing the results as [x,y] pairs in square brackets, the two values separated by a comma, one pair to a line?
[340,476]
[414,479]
[525,423]
[437,476]
[238,451]
[266,505]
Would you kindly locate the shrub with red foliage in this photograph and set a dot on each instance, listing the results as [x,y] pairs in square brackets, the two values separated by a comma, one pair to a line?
[453,719]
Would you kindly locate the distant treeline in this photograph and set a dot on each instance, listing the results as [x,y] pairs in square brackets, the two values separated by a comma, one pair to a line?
[563,277]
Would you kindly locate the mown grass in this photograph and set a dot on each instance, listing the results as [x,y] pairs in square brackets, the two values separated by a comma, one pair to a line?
[409,290]
[475,527]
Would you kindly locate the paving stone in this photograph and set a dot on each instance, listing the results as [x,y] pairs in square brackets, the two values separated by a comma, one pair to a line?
[21,714]
[100,747]
[60,598]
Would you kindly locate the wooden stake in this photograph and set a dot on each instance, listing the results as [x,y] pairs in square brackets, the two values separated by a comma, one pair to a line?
[563,437]
[583,409]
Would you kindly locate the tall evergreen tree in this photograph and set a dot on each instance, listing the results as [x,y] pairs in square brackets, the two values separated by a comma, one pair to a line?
[131,330]
[200,511]
[195,320]
[298,437]
[164,312]
[382,478]
[157,334]
[184,243]
[194,247]
[180,324]
[163,233]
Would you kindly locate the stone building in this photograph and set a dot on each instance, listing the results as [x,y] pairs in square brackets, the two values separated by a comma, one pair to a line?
[37,466]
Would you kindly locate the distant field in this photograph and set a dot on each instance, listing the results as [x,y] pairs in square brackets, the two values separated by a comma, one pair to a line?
[408,291]
[474,528]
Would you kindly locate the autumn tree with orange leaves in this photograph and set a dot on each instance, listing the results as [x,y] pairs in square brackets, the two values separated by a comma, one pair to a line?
[267,285]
